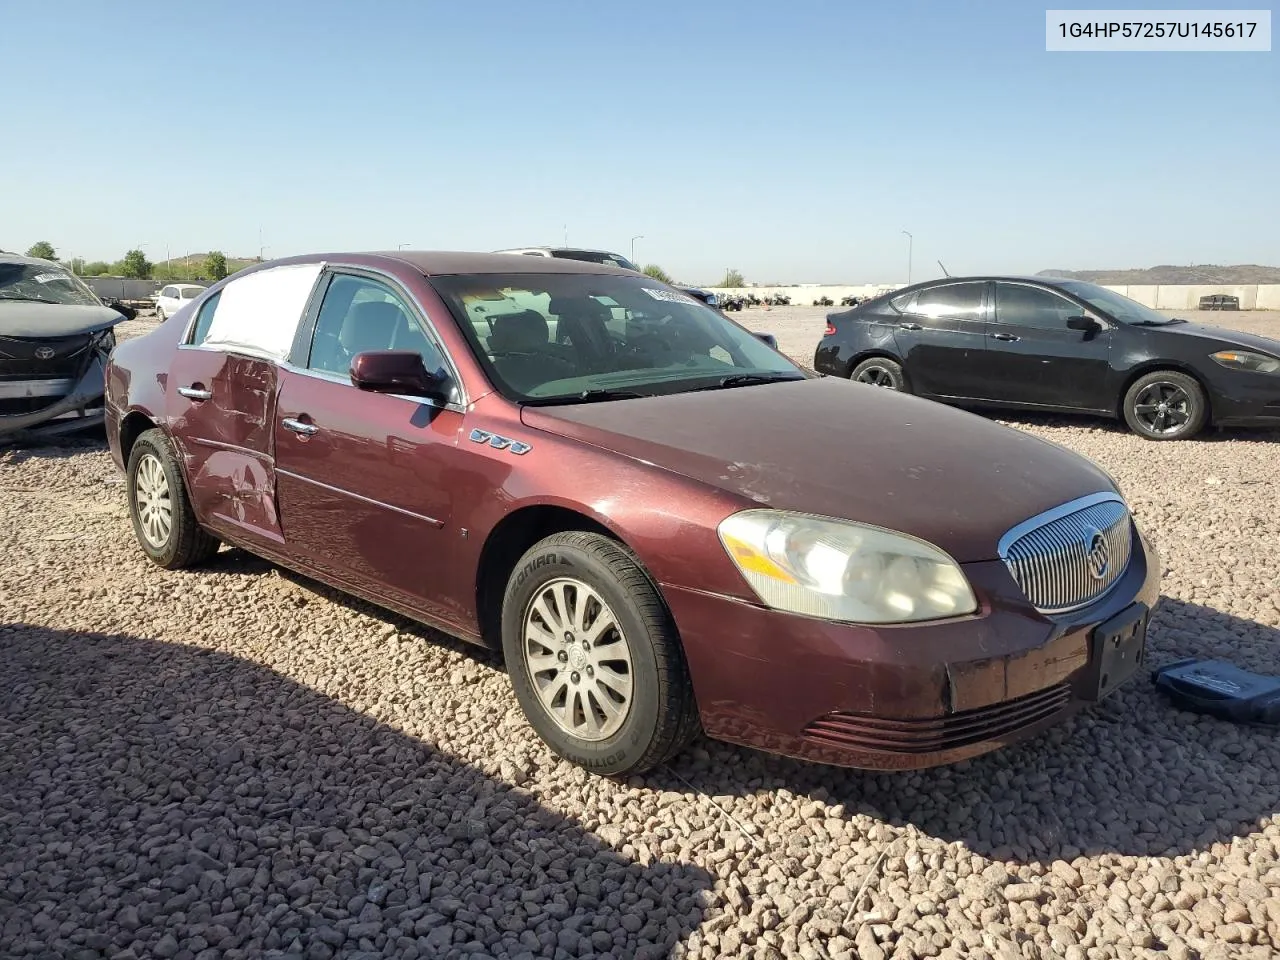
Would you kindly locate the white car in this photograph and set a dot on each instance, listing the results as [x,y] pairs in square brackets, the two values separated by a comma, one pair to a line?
[175,295]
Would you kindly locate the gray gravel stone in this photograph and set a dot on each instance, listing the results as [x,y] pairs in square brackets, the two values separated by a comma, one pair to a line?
[237,762]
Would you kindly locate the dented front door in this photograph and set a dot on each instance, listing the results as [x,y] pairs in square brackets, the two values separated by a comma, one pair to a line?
[221,408]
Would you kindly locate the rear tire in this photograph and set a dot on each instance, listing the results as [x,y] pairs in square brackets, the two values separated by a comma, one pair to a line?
[1165,405]
[880,372]
[163,521]
[594,657]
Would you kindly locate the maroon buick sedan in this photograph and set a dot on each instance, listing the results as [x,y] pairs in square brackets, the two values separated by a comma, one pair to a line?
[663,523]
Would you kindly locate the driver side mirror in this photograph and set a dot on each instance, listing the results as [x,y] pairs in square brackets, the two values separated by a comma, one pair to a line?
[1084,324]
[768,338]
[397,371]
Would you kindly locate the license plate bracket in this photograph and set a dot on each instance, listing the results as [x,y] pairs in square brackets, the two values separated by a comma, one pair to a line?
[1117,648]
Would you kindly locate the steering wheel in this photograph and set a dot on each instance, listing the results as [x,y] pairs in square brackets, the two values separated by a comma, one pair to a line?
[637,345]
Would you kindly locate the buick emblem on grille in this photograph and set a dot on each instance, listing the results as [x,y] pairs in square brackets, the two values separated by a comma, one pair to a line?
[44,353]
[1099,555]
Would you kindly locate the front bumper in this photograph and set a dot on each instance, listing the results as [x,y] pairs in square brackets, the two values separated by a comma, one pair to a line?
[80,409]
[1246,399]
[897,697]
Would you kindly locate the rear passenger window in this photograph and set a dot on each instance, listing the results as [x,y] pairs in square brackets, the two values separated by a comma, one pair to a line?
[203,319]
[962,300]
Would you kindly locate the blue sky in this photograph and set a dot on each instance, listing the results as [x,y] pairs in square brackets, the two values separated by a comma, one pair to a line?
[792,140]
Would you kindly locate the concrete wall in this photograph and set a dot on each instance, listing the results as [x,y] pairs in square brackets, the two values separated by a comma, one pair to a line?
[1169,296]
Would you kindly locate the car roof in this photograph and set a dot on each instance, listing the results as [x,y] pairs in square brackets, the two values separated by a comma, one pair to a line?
[21,258]
[439,263]
[1016,278]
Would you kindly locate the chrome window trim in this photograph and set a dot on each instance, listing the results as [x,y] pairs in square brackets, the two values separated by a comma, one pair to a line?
[1049,516]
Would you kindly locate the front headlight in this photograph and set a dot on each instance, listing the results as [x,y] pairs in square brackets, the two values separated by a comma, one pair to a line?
[1247,360]
[840,570]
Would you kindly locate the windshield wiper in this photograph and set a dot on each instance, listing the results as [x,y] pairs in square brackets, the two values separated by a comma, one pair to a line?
[748,380]
[20,296]
[1158,323]
[586,396]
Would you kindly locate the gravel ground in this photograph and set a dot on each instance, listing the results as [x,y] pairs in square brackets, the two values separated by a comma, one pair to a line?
[238,762]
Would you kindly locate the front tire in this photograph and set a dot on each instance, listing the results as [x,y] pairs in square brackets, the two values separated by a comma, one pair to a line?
[594,657]
[163,521]
[1166,405]
[880,372]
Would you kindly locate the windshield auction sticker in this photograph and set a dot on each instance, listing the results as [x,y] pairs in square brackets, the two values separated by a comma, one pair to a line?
[1153,31]
[670,296]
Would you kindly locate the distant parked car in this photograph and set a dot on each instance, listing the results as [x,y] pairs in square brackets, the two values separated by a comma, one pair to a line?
[55,336]
[665,525]
[175,296]
[1037,343]
[1219,301]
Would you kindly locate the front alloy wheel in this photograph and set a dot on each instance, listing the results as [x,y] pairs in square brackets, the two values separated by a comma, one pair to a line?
[578,659]
[594,657]
[1165,405]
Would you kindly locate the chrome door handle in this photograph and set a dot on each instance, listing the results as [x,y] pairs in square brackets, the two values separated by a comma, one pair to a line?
[910,326]
[195,393]
[297,426]
[1005,336]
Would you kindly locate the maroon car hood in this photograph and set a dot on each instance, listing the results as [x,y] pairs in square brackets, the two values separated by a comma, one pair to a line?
[840,449]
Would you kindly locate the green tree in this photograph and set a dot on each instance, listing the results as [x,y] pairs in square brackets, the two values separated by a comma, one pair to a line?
[95,268]
[655,271]
[215,265]
[42,249]
[135,265]
[732,278]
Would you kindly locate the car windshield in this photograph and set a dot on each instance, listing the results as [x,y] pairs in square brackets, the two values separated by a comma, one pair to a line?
[1118,306]
[596,256]
[565,338]
[43,283]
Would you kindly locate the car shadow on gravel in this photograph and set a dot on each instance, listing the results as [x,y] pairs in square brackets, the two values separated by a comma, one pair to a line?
[177,801]
[1131,775]
[235,561]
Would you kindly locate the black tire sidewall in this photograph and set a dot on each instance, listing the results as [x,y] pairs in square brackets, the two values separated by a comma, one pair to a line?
[159,449]
[551,561]
[892,367]
[1199,405]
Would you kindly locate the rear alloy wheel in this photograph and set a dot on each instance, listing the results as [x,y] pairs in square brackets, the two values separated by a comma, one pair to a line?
[594,658]
[1166,405]
[880,372]
[163,521]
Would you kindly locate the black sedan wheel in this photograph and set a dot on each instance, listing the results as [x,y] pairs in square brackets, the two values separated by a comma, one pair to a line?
[880,372]
[1166,405]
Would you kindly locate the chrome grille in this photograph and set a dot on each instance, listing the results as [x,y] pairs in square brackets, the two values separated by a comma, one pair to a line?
[1071,555]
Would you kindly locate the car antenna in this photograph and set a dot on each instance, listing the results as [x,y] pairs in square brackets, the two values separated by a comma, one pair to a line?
[944,269]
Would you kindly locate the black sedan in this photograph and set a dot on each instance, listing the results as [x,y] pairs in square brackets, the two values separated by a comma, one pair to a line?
[1035,343]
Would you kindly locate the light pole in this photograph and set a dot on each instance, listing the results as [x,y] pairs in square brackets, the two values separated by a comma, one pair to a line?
[910,243]
[401,246]
[633,246]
